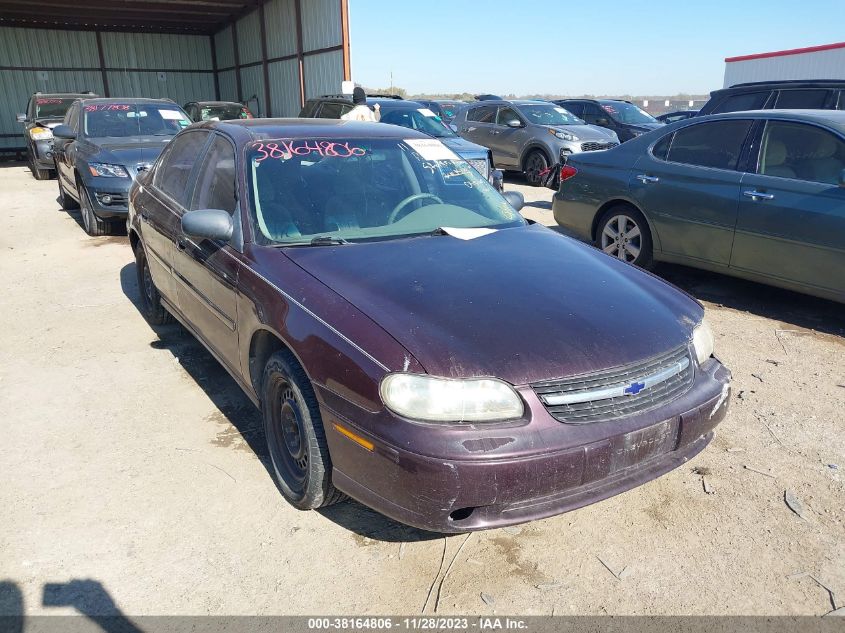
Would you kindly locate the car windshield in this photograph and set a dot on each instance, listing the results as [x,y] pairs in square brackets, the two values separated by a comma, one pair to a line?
[421,119]
[366,189]
[549,114]
[133,119]
[225,112]
[52,107]
[627,113]
[449,108]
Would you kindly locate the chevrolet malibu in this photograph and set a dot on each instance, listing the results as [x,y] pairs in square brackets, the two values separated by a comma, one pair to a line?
[393,317]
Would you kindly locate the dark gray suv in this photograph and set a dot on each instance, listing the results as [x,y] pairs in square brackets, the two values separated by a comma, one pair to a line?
[529,136]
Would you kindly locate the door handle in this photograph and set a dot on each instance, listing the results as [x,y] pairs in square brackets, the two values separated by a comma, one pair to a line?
[758,195]
[181,244]
[648,180]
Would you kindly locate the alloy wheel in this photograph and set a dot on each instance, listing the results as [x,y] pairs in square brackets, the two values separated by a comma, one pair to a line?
[622,238]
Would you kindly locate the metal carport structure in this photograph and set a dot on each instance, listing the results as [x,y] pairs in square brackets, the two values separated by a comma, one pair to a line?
[273,53]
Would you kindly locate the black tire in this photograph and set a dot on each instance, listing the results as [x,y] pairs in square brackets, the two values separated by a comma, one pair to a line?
[151,306]
[39,174]
[295,435]
[67,203]
[94,226]
[535,163]
[623,232]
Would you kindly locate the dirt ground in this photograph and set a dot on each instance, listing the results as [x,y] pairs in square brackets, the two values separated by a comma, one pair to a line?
[134,477]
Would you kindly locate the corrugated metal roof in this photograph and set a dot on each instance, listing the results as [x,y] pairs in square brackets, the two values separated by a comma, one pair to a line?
[171,16]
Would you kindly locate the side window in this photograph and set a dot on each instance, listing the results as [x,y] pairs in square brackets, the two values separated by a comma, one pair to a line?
[716,144]
[841,105]
[802,152]
[742,102]
[575,108]
[482,114]
[802,99]
[216,183]
[592,113]
[72,116]
[661,148]
[174,170]
[506,115]
[332,110]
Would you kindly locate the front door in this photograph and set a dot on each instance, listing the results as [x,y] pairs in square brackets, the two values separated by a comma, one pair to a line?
[478,126]
[507,140]
[206,271]
[161,211]
[791,223]
[689,188]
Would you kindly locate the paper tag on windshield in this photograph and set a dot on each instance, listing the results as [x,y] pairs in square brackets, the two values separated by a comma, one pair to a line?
[466,234]
[561,110]
[426,112]
[171,115]
[431,149]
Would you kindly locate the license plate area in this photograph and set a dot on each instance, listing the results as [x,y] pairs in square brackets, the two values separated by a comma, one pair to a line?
[640,446]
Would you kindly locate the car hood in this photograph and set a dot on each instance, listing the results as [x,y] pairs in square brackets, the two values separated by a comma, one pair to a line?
[48,122]
[586,132]
[130,151]
[522,304]
[464,148]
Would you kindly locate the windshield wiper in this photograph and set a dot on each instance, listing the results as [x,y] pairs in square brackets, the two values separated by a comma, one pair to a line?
[327,240]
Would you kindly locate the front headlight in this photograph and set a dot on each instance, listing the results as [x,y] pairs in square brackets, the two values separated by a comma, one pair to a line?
[636,133]
[421,397]
[41,133]
[564,135]
[702,341]
[102,169]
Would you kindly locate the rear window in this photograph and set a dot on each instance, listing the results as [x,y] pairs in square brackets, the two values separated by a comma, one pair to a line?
[802,99]
[742,102]
[715,144]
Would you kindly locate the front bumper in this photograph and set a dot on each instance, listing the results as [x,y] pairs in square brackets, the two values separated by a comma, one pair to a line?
[489,488]
[109,196]
[42,156]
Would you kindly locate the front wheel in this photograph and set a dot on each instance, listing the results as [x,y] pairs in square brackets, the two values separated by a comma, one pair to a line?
[67,203]
[295,435]
[623,233]
[93,224]
[536,166]
[151,306]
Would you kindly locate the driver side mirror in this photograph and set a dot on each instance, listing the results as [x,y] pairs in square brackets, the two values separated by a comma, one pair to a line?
[842,178]
[210,224]
[602,121]
[64,131]
[515,199]
[21,118]
[514,123]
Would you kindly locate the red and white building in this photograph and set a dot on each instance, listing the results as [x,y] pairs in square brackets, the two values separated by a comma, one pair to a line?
[814,62]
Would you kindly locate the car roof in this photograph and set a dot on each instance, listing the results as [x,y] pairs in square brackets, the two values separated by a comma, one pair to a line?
[258,129]
[832,118]
[394,104]
[784,83]
[217,103]
[135,100]
[494,102]
[38,95]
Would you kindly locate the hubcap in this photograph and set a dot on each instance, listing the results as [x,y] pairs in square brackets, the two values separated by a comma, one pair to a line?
[622,238]
[290,452]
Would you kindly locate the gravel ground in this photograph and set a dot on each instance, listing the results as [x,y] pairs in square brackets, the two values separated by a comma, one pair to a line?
[135,480]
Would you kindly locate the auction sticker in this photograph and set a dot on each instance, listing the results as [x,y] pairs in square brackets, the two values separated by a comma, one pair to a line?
[431,149]
[426,112]
[172,115]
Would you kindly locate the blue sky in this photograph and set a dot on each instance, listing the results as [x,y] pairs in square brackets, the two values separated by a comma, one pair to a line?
[587,47]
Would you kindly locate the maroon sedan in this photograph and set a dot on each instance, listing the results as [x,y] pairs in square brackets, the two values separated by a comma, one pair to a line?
[411,340]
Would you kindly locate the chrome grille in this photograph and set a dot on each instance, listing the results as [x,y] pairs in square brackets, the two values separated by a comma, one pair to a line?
[593,147]
[599,396]
[481,165]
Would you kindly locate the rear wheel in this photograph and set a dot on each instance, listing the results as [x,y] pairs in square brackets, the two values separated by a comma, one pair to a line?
[39,174]
[94,225]
[535,164]
[623,233]
[295,435]
[151,306]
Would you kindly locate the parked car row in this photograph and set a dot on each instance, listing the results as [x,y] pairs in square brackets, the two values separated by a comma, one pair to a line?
[758,195]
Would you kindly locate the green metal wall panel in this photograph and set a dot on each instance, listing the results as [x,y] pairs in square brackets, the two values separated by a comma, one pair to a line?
[284,88]
[321,24]
[157,51]
[280,16]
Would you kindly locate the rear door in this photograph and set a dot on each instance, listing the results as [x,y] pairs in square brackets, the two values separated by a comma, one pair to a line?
[689,189]
[791,223]
[206,271]
[479,125]
[161,210]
